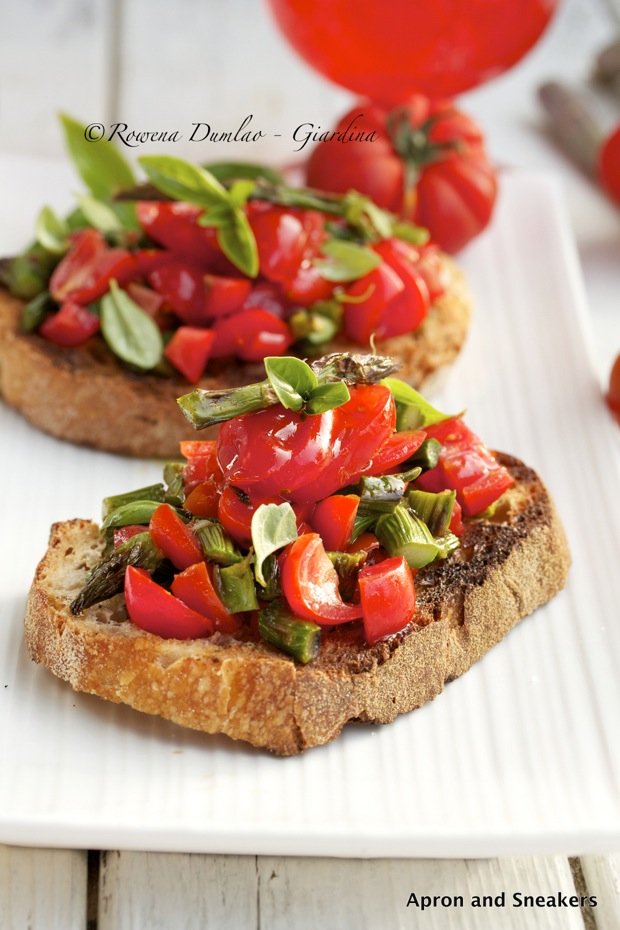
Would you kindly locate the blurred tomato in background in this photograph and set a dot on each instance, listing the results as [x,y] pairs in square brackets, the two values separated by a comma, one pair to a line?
[389,50]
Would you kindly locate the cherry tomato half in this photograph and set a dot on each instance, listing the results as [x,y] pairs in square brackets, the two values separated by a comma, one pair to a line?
[609,165]
[333,519]
[84,273]
[157,611]
[613,392]
[387,595]
[173,537]
[189,350]
[72,325]
[194,586]
[310,583]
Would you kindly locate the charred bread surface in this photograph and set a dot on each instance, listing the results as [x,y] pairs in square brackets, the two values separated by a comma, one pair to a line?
[506,568]
[86,396]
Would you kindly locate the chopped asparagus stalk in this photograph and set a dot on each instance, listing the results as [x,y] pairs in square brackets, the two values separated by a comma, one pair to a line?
[153,492]
[235,586]
[217,546]
[386,488]
[34,312]
[271,574]
[299,638]
[402,533]
[427,456]
[139,512]
[312,329]
[28,274]
[108,577]
[347,565]
[205,408]
[354,369]
[175,491]
[434,509]
[447,544]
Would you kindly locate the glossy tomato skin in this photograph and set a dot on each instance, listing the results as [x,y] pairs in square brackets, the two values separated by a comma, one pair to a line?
[182,286]
[613,392]
[71,326]
[406,46]
[276,452]
[173,537]
[427,162]
[333,519]
[387,596]
[310,583]
[194,586]
[189,351]
[369,310]
[84,273]
[175,226]
[157,611]
[609,165]
[251,335]
[466,466]
[281,236]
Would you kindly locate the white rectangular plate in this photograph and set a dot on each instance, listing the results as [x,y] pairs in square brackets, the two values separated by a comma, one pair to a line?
[519,756]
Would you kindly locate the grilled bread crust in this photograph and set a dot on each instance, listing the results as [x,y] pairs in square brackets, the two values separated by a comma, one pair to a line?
[86,396]
[506,567]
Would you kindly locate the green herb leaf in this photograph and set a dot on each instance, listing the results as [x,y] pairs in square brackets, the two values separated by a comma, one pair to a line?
[416,235]
[327,396]
[240,191]
[52,232]
[238,244]
[99,214]
[273,527]
[99,163]
[230,171]
[422,413]
[346,261]
[184,181]
[291,379]
[130,332]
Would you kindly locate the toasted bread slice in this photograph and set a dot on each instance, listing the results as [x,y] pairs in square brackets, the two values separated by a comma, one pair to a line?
[86,396]
[507,566]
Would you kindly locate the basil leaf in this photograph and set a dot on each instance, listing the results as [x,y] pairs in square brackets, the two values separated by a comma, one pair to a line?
[52,232]
[129,331]
[99,214]
[100,165]
[292,380]
[346,261]
[240,191]
[184,181]
[422,413]
[327,396]
[238,244]
[273,527]
[416,235]
[231,171]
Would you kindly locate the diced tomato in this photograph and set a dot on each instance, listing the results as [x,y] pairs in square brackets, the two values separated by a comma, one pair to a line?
[175,225]
[182,287]
[202,465]
[387,596]
[173,537]
[432,267]
[251,335]
[236,516]
[71,326]
[84,273]
[157,611]
[396,449]
[466,466]
[194,586]
[405,312]
[456,520]
[203,500]
[148,260]
[189,350]
[281,239]
[366,542]
[150,301]
[123,533]
[267,296]
[224,295]
[333,520]
[310,583]
[308,286]
[363,316]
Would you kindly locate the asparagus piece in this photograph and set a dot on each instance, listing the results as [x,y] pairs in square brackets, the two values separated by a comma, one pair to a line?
[108,577]
[354,369]
[205,408]
[216,544]
[153,492]
[299,638]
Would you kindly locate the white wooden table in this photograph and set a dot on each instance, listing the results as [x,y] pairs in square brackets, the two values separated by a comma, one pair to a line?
[156,66]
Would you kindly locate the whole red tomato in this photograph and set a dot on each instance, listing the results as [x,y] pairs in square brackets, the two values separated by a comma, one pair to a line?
[609,165]
[388,51]
[425,160]
[613,393]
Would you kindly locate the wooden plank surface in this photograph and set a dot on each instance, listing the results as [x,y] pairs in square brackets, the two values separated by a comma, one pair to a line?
[602,878]
[139,890]
[42,889]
